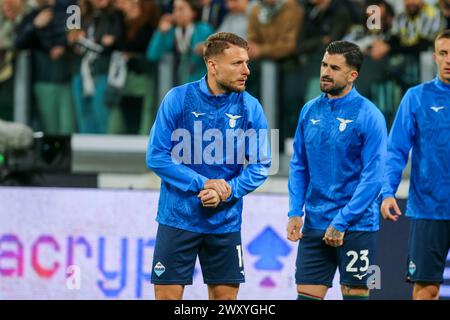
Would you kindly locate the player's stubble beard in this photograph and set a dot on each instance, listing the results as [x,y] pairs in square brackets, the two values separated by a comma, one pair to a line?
[334,90]
[447,80]
[228,88]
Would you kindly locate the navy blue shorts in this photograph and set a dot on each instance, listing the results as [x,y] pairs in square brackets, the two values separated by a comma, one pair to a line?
[176,252]
[429,242]
[317,262]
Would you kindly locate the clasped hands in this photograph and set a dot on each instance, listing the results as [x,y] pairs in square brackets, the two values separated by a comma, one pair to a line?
[214,192]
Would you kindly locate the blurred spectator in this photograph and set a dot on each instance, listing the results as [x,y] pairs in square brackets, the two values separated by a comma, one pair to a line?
[413,30]
[356,10]
[325,21]
[213,12]
[11,13]
[374,69]
[273,30]
[445,8]
[166,6]
[181,33]
[134,111]
[101,29]
[236,20]
[43,32]
[364,36]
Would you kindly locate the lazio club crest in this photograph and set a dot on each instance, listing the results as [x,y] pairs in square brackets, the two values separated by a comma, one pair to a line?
[233,119]
[343,124]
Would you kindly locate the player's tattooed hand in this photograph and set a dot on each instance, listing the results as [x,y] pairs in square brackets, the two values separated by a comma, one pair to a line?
[334,237]
[294,228]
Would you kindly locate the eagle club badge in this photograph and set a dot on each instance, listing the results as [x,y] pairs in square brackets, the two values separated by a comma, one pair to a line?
[343,124]
[233,119]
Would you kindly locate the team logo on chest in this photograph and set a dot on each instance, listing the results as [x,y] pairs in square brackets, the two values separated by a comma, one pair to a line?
[233,119]
[343,124]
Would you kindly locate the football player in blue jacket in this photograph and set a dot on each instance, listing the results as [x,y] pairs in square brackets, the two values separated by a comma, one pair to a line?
[203,134]
[422,124]
[336,174]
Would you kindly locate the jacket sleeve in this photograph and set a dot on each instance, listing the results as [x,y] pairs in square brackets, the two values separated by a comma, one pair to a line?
[399,144]
[373,155]
[159,157]
[298,172]
[258,156]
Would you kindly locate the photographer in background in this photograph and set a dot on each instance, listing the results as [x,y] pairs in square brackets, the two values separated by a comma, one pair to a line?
[30,158]
[101,30]
[13,137]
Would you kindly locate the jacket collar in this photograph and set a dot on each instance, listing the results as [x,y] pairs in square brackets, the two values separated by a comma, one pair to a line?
[336,102]
[217,99]
[441,85]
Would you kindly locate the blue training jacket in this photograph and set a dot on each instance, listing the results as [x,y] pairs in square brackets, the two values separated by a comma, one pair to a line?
[192,141]
[336,170]
[423,124]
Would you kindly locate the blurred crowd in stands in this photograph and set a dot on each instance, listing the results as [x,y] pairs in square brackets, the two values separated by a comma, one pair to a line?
[101,75]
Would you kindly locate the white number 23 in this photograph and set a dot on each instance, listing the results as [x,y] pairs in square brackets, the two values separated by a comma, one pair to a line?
[362,256]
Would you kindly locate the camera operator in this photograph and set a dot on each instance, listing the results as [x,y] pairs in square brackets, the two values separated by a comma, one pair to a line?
[14,136]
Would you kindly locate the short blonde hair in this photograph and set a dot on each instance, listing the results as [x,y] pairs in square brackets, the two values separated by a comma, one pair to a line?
[218,42]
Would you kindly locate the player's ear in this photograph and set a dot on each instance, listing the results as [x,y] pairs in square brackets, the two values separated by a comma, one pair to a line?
[353,75]
[211,65]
